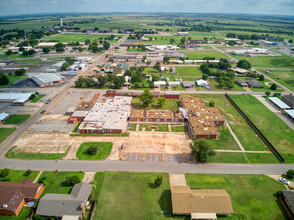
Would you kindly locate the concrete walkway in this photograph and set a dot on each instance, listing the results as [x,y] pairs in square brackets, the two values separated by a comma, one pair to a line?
[88,177]
[37,177]
[234,136]
[177,180]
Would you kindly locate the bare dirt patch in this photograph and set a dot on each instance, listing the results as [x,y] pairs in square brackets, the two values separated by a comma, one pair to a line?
[285,75]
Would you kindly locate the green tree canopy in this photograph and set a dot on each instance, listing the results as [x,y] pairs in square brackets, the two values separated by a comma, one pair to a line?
[146,98]
[244,64]
[161,101]
[201,150]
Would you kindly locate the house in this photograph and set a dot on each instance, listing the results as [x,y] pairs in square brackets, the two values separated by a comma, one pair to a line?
[3,117]
[174,83]
[156,116]
[159,84]
[14,195]
[174,70]
[46,79]
[59,205]
[240,71]
[183,33]
[110,93]
[241,83]
[200,203]
[289,100]
[188,84]
[202,83]
[2,64]
[231,39]
[121,68]
[172,95]
[278,103]
[288,198]
[253,83]
[129,31]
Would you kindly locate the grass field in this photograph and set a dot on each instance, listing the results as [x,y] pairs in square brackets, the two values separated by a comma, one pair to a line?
[19,175]
[199,55]
[252,195]
[54,181]
[12,79]
[34,156]
[23,214]
[273,128]
[138,199]
[17,119]
[5,132]
[228,157]
[37,98]
[78,37]
[270,62]
[261,158]
[132,127]
[104,149]
[215,86]
[188,71]
[179,129]
[159,127]
[169,105]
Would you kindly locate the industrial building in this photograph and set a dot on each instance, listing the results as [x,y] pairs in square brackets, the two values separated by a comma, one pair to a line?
[57,65]
[128,57]
[15,98]
[279,103]
[172,95]
[289,100]
[253,83]
[46,79]
[202,121]
[156,116]
[12,69]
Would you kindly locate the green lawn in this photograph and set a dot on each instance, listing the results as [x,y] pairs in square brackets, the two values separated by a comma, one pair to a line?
[251,195]
[78,37]
[159,127]
[228,157]
[132,127]
[135,50]
[261,158]
[102,135]
[12,79]
[5,132]
[17,119]
[171,104]
[54,181]
[23,215]
[34,156]
[199,55]
[37,98]
[215,86]
[266,88]
[19,175]
[179,128]
[188,71]
[104,149]
[270,62]
[132,196]
[243,131]
[272,127]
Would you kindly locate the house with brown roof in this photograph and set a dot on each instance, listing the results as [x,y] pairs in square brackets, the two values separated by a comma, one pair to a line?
[14,195]
[200,203]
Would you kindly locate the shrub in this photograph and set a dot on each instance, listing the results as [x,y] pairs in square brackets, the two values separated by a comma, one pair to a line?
[158,182]
[28,172]
[290,174]
[72,180]
[267,93]
[211,104]
[92,150]
[274,86]
[5,172]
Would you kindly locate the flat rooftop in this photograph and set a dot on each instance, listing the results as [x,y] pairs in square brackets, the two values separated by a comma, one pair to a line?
[155,114]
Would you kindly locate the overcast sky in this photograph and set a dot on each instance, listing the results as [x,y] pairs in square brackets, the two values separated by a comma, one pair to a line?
[280,7]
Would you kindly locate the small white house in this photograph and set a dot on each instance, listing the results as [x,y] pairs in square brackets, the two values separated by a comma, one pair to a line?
[202,83]
[174,83]
[159,83]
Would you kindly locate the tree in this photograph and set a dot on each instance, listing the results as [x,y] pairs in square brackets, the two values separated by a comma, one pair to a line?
[59,49]
[46,50]
[106,45]
[28,172]
[119,81]
[267,93]
[204,76]
[161,101]
[244,64]
[32,96]
[158,182]
[201,150]
[3,79]
[290,174]
[5,172]
[261,78]
[211,104]
[87,41]
[166,60]
[72,180]
[157,66]
[20,72]
[274,86]
[80,49]
[146,98]
[92,150]
[8,52]
[102,80]
[64,66]
[290,41]
[84,82]
[172,41]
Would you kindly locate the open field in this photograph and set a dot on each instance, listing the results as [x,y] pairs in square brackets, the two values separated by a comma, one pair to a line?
[104,149]
[169,105]
[17,119]
[179,129]
[19,175]
[215,86]
[78,37]
[156,127]
[228,157]
[286,77]
[5,132]
[273,128]
[199,55]
[12,79]
[166,39]
[188,71]
[54,181]
[138,199]
[226,141]
[37,98]
[253,196]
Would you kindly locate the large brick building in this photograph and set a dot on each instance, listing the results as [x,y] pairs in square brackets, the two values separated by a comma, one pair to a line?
[156,116]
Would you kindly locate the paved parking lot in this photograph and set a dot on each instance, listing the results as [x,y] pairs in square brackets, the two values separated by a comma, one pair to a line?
[173,158]
[52,126]
[133,158]
[15,109]
[153,158]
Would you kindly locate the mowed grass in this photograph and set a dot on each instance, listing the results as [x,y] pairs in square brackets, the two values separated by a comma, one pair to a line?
[19,175]
[261,158]
[156,127]
[171,104]
[104,150]
[34,156]
[54,181]
[5,132]
[23,214]
[188,71]
[132,127]
[272,127]
[251,195]
[199,55]
[270,62]
[132,196]
[228,157]
[17,119]
[12,79]
[179,129]
[78,37]
[37,98]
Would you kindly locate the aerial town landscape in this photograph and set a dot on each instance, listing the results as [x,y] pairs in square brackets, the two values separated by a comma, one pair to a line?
[140,114]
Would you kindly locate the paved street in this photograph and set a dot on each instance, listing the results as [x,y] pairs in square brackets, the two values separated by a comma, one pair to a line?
[168,167]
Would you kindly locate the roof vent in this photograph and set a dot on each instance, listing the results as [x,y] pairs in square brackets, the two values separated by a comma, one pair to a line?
[4,206]
[12,202]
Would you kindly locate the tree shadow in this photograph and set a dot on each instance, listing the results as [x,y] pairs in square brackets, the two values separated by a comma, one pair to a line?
[165,203]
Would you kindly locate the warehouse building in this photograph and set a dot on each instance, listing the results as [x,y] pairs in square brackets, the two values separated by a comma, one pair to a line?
[241,83]
[128,57]
[47,79]
[15,98]
[3,117]
[57,65]
[253,83]
[12,69]
[202,121]
[289,100]
[46,44]
[156,116]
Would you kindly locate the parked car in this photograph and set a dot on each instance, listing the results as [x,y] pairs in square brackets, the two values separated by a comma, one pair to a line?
[48,101]
[285,181]
[42,112]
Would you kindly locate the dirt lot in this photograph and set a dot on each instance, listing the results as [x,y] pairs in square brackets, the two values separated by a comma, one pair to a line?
[52,126]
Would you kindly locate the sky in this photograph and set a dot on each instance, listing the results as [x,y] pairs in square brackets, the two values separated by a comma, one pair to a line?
[16,7]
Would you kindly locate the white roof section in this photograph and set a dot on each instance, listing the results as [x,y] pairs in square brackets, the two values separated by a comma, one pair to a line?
[44,44]
[45,78]
[15,97]
[3,116]
[174,83]
[201,82]
[279,103]
[203,216]
[58,64]
[80,114]
[290,113]
[159,83]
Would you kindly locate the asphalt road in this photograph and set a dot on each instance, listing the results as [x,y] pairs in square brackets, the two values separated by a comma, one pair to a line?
[167,167]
